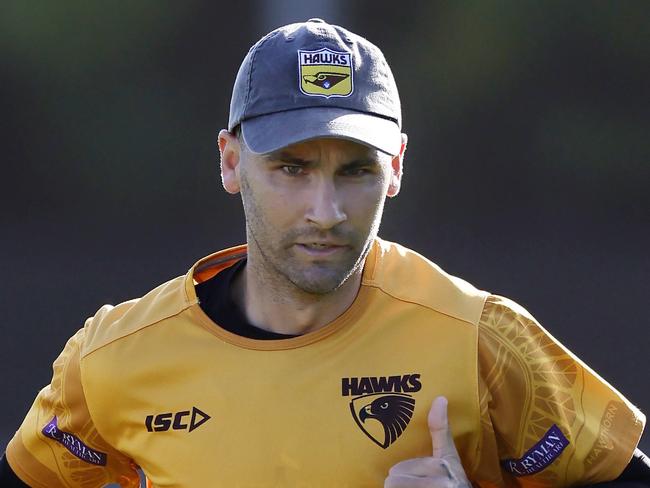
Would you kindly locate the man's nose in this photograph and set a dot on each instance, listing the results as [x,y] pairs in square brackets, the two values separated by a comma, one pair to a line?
[325,209]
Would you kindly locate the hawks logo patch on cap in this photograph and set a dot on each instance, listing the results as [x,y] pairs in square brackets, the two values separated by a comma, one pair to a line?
[325,73]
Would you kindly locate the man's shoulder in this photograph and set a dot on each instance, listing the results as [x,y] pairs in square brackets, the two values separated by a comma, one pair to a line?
[115,322]
[408,276]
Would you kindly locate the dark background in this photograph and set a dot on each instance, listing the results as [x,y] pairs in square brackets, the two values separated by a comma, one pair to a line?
[527,172]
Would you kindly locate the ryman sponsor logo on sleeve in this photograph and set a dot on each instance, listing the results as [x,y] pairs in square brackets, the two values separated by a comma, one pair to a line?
[73,444]
[538,457]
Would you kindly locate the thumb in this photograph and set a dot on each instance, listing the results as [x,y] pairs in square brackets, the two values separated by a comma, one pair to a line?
[441,439]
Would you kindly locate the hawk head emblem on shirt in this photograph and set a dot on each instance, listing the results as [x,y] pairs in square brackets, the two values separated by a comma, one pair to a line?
[390,415]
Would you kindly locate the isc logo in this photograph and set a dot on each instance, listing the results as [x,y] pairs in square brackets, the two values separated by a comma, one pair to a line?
[184,420]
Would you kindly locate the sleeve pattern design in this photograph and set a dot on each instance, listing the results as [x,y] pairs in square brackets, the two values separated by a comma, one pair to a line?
[533,384]
[58,444]
[544,412]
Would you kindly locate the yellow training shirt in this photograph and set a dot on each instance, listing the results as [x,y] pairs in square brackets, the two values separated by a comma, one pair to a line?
[155,383]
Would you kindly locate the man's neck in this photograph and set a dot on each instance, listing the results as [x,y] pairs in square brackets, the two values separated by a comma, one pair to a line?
[287,309]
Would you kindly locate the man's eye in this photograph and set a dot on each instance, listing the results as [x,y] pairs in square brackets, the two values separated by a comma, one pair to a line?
[355,172]
[292,170]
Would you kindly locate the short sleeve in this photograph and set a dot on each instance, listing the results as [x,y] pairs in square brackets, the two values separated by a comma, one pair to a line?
[547,419]
[57,444]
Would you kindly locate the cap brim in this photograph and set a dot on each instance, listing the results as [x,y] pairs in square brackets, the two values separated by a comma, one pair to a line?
[268,133]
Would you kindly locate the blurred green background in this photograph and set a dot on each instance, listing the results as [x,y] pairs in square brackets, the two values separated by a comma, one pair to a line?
[527,172]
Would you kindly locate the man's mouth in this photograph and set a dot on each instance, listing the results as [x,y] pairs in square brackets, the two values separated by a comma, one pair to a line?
[320,248]
[320,244]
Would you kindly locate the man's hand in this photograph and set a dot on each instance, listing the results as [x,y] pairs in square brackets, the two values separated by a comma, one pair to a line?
[442,469]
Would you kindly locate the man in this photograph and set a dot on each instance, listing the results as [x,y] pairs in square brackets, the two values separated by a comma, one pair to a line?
[319,354]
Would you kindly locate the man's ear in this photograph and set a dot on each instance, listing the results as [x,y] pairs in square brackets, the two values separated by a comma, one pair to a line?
[396,169]
[230,153]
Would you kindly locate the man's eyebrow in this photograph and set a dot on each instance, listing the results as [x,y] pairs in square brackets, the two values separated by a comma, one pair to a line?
[367,161]
[283,157]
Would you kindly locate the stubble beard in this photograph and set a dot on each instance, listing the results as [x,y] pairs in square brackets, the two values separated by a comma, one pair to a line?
[275,260]
[281,268]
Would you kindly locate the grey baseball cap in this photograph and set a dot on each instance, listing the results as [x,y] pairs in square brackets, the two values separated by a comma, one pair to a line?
[312,79]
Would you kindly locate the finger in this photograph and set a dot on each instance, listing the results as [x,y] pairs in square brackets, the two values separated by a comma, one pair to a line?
[427,467]
[441,438]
